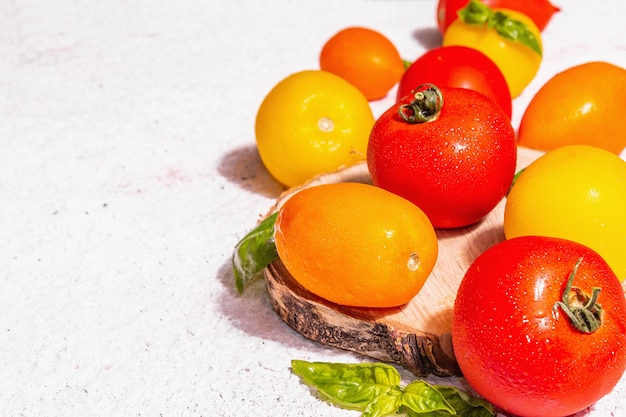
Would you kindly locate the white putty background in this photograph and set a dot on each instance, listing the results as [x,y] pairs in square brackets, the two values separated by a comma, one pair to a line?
[128,172]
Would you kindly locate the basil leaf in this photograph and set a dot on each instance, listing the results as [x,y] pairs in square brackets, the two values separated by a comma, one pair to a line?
[254,252]
[479,14]
[373,388]
[422,398]
[384,404]
[463,404]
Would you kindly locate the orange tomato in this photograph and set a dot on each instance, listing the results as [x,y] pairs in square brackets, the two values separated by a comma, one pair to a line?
[364,57]
[356,244]
[583,105]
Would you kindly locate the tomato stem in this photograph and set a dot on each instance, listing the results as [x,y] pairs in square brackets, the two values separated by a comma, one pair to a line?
[479,14]
[425,106]
[585,315]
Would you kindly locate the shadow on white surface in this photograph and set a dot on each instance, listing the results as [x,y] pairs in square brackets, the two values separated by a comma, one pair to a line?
[243,166]
[252,313]
[427,37]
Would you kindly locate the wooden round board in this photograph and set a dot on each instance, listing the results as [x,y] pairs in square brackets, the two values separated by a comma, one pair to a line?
[416,335]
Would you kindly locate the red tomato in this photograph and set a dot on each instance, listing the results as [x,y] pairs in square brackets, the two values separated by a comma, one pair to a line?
[455,164]
[458,66]
[540,11]
[513,340]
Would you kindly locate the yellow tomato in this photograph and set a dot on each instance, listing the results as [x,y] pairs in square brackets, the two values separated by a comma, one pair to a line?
[356,244]
[312,122]
[575,192]
[518,62]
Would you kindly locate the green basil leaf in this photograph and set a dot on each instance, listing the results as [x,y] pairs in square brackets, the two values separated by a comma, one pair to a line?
[254,252]
[464,404]
[479,14]
[435,413]
[422,398]
[373,388]
[384,404]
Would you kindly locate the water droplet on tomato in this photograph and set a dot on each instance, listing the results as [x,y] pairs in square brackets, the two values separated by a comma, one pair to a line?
[325,124]
[414,262]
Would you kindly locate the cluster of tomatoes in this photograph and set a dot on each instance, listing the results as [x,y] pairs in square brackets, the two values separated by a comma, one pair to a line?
[540,318]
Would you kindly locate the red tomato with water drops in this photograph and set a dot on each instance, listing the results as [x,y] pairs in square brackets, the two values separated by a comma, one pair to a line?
[450,151]
[514,338]
[461,67]
[540,11]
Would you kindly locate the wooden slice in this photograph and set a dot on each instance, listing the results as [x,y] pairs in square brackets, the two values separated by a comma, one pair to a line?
[416,335]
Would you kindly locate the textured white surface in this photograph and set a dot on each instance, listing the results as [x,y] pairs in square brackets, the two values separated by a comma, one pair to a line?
[128,172]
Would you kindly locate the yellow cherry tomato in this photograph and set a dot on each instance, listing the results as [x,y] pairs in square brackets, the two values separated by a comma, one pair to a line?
[312,122]
[510,38]
[575,192]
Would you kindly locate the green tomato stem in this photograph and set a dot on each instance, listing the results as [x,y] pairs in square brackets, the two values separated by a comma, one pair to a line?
[586,314]
[477,13]
[425,106]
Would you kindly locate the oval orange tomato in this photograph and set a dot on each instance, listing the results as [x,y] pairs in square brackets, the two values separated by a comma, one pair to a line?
[364,57]
[356,244]
[583,104]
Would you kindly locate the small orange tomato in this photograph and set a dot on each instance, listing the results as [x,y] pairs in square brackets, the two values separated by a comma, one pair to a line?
[364,57]
[583,105]
[356,244]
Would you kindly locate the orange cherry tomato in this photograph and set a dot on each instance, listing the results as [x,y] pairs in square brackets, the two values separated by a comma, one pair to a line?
[583,105]
[364,57]
[377,254]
